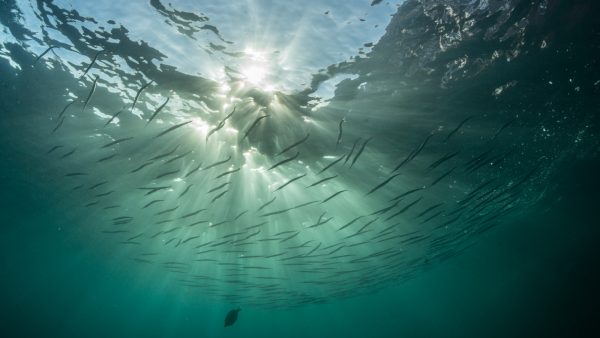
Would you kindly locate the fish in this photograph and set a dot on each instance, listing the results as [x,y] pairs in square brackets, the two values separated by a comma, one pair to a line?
[437,180]
[408,206]
[284,161]
[352,150]
[193,170]
[137,95]
[360,151]
[169,153]
[158,110]
[457,128]
[53,149]
[228,173]
[332,196]
[407,193]
[58,125]
[62,112]
[113,117]
[142,166]
[220,125]
[322,180]
[91,63]
[382,184]
[218,196]
[341,129]
[266,204]
[87,99]
[106,158]
[443,159]
[168,130]
[332,164]
[350,223]
[217,188]
[117,142]
[299,142]
[166,174]
[44,53]
[253,125]
[288,182]
[152,202]
[504,126]
[69,153]
[414,153]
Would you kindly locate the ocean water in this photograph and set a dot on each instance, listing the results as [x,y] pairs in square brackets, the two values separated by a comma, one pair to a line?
[334,169]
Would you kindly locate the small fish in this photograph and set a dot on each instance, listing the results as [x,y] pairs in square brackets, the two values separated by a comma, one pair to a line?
[113,117]
[117,142]
[323,180]
[91,63]
[185,191]
[285,161]
[152,202]
[341,129]
[178,157]
[228,173]
[62,112]
[87,99]
[362,148]
[332,164]
[218,163]
[172,128]
[58,125]
[42,55]
[219,196]
[382,184]
[288,182]
[294,144]
[169,153]
[141,167]
[352,150]
[332,196]
[219,187]
[193,170]
[137,95]
[457,128]
[106,158]
[158,110]
[53,149]
[168,173]
[220,125]
[437,180]
[266,204]
[253,125]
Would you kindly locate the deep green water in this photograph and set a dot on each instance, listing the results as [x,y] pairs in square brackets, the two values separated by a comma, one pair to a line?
[512,91]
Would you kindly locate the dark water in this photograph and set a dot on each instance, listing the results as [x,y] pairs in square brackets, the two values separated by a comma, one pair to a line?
[504,92]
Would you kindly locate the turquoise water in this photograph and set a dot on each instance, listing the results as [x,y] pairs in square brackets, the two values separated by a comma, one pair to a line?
[419,168]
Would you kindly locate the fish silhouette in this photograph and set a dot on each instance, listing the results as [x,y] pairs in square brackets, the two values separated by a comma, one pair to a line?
[231,317]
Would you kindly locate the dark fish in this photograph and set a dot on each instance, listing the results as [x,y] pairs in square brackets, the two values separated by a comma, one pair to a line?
[406,193]
[106,158]
[141,167]
[414,153]
[97,185]
[69,153]
[253,125]
[91,63]
[76,174]
[53,149]
[158,110]
[62,112]
[117,142]
[362,148]
[152,190]
[352,150]
[218,163]
[437,180]
[285,161]
[193,213]
[228,173]
[113,117]
[382,184]
[42,55]
[266,204]
[58,125]
[152,202]
[341,129]
[290,181]
[172,128]
[137,95]
[405,208]
[217,188]
[294,144]
[185,191]
[219,196]
[288,209]
[504,126]
[166,174]
[193,170]
[220,125]
[443,159]
[424,212]
[457,128]
[331,164]
[158,157]
[87,99]
[332,196]
[323,180]
[349,223]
